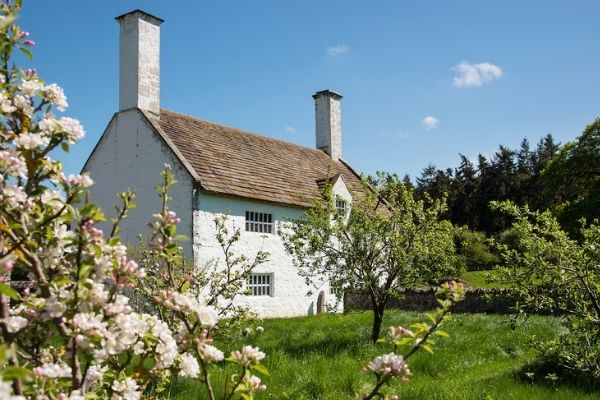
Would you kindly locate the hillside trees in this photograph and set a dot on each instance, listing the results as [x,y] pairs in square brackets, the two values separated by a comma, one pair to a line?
[509,174]
[387,241]
[571,180]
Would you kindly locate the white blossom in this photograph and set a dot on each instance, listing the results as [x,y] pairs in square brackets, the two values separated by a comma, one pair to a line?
[79,180]
[210,353]
[30,141]
[188,366]
[24,104]
[55,307]
[72,127]
[53,370]
[12,163]
[126,390]
[248,356]
[15,324]
[56,96]
[6,105]
[390,364]
[254,384]
[30,87]
[15,197]
[95,374]
[6,392]
[90,322]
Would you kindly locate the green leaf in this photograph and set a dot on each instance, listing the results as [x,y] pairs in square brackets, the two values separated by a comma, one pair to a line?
[171,230]
[261,368]
[427,348]
[185,287]
[441,333]
[11,373]
[10,292]
[27,53]
[431,317]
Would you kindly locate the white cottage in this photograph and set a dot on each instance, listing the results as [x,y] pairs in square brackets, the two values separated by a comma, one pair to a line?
[257,180]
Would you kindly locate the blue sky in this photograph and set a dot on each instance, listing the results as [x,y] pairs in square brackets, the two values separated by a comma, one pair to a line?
[528,68]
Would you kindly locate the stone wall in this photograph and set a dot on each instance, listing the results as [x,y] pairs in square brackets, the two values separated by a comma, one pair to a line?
[498,301]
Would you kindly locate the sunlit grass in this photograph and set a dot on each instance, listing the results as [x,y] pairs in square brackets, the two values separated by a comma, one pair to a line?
[479,279]
[322,357]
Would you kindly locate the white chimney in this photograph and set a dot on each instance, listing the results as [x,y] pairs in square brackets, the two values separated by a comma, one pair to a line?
[328,116]
[139,61]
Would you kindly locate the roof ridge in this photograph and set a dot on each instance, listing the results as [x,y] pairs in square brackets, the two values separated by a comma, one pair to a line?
[246,132]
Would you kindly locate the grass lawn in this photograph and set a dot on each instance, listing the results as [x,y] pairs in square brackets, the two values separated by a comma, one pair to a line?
[478,279]
[322,357]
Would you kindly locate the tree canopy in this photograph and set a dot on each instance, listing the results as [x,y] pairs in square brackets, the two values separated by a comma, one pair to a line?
[389,239]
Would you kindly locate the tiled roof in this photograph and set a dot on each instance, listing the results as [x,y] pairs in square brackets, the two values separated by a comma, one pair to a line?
[233,162]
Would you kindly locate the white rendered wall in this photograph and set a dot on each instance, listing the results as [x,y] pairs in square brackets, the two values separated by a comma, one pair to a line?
[131,155]
[289,297]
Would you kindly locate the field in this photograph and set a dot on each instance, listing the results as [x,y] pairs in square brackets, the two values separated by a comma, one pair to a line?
[322,358]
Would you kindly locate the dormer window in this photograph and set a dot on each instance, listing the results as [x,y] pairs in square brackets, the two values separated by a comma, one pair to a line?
[259,222]
[341,206]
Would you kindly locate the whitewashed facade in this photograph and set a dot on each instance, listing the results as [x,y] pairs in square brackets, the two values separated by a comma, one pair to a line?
[134,149]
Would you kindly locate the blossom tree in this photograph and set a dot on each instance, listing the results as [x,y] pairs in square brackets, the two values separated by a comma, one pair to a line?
[218,282]
[71,334]
[389,240]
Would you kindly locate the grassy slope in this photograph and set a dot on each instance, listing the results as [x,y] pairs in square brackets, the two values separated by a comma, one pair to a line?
[478,279]
[322,358]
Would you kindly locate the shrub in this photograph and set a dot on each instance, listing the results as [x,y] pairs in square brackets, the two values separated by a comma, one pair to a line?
[551,272]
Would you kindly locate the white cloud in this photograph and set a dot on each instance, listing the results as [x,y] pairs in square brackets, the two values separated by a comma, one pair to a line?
[430,122]
[290,129]
[475,75]
[338,50]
